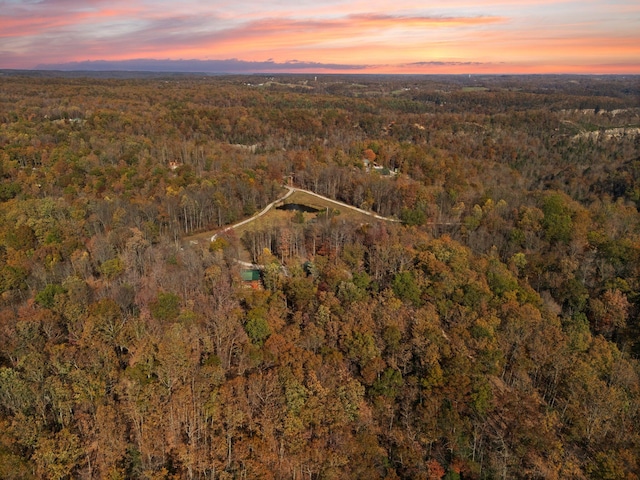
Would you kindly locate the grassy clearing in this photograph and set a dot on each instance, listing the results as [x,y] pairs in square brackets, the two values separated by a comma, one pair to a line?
[282,217]
[322,204]
[474,89]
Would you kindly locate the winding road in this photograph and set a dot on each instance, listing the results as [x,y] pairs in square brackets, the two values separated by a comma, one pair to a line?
[290,191]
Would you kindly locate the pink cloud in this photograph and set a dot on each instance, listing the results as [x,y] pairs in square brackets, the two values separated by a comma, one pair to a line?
[520,33]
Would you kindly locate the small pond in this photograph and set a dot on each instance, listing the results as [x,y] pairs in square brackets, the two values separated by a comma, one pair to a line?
[298,207]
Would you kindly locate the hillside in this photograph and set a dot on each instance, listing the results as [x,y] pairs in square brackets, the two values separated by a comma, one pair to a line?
[491,332]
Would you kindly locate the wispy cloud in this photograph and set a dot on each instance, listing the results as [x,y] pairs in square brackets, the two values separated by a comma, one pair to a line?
[204,66]
[415,34]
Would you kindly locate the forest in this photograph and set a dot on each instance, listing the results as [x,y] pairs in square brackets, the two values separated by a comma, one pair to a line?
[491,331]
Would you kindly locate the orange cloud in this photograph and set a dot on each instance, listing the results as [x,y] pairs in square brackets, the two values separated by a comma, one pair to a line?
[351,36]
[500,34]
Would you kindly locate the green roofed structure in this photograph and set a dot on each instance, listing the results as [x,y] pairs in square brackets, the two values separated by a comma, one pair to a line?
[251,278]
[250,275]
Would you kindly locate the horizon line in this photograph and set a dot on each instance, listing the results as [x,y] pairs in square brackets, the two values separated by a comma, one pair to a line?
[235,66]
[322,73]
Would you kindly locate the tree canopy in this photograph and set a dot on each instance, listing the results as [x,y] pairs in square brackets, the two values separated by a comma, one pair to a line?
[491,332]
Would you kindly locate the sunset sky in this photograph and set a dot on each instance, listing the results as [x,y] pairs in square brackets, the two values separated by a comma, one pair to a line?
[357,36]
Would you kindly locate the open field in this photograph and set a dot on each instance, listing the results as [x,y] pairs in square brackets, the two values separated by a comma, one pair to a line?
[275,216]
[283,217]
[474,89]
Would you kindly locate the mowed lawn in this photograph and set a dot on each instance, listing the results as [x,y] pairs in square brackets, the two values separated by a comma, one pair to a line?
[283,217]
[275,216]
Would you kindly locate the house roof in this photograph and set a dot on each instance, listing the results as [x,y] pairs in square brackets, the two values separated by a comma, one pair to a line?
[250,275]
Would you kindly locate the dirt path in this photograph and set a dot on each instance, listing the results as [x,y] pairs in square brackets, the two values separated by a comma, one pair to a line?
[257,215]
[290,191]
[346,205]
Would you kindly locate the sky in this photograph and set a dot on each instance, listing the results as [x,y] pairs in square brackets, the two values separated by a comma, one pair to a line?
[325,36]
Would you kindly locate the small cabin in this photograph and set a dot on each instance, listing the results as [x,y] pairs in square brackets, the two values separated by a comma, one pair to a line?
[252,278]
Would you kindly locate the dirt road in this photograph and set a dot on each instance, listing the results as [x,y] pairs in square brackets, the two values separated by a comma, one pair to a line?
[290,191]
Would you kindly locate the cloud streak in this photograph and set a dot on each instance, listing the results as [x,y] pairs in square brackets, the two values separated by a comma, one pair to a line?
[202,66]
[345,35]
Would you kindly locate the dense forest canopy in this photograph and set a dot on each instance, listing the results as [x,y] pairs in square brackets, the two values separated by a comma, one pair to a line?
[491,332]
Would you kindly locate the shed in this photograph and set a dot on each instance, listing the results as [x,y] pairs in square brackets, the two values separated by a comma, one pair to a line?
[251,277]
